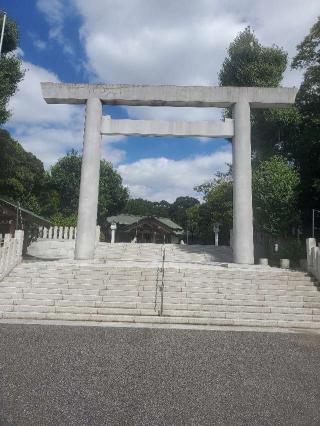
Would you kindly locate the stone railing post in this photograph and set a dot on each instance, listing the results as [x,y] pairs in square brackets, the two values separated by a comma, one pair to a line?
[60,232]
[70,237]
[55,233]
[310,244]
[97,234]
[6,252]
[113,232]
[19,236]
[11,252]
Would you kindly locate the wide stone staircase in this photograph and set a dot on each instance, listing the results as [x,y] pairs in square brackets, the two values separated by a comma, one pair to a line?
[123,252]
[205,295]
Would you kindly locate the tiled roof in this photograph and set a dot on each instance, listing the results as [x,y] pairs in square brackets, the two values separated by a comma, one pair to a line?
[130,219]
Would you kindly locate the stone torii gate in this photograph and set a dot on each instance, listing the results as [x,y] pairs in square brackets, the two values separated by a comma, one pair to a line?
[241,99]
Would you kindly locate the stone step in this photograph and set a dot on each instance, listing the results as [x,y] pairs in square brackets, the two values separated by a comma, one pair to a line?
[9,281]
[174,304]
[99,268]
[224,305]
[234,312]
[286,323]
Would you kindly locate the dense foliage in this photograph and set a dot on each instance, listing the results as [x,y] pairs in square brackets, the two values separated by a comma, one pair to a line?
[65,179]
[141,207]
[21,173]
[275,193]
[11,72]
[250,64]
[307,146]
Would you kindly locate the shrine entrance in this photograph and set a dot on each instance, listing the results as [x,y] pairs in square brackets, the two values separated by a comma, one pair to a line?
[240,99]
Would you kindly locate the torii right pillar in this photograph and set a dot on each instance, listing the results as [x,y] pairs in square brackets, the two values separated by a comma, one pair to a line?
[243,249]
[243,246]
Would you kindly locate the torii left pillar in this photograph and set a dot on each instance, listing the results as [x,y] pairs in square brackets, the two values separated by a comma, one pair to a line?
[89,185]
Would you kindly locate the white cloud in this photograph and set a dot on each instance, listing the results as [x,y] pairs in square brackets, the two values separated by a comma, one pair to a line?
[40,44]
[156,42]
[55,12]
[110,152]
[28,105]
[49,131]
[182,42]
[48,143]
[166,179]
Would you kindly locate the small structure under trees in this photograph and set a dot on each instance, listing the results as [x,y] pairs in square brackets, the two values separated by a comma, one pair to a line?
[144,229]
[14,217]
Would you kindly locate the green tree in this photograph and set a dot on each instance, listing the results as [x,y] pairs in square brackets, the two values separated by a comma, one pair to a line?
[11,72]
[141,207]
[248,63]
[65,179]
[275,193]
[179,207]
[200,223]
[217,207]
[21,173]
[307,156]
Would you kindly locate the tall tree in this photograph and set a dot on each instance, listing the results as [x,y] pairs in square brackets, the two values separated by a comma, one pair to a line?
[178,209]
[11,72]
[141,207]
[65,178]
[248,63]
[308,103]
[217,206]
[21,173]
[275,193]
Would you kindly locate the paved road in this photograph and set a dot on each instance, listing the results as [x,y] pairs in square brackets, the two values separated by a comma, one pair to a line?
[60,375]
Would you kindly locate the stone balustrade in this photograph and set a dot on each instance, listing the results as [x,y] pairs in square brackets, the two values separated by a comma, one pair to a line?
[313,257]
[62,233]
[10,252]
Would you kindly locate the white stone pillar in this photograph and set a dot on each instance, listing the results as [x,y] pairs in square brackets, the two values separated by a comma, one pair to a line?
[216,230]
[89,186]
[242,190]
[113,232]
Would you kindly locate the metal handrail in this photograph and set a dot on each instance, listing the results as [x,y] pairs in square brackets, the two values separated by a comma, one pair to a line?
[161,285]
[162,279]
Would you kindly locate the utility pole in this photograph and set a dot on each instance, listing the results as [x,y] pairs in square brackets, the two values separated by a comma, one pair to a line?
[2,31]
[314,211]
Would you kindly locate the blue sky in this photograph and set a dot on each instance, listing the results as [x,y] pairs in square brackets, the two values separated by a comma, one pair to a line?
[141,42]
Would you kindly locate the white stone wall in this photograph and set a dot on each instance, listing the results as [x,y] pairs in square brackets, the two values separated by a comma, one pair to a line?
[313,258]
[10,252]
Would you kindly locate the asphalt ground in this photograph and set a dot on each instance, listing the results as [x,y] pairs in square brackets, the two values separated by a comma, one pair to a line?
[70,375]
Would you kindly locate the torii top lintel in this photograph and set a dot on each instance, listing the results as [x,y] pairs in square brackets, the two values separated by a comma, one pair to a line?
[177,96]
